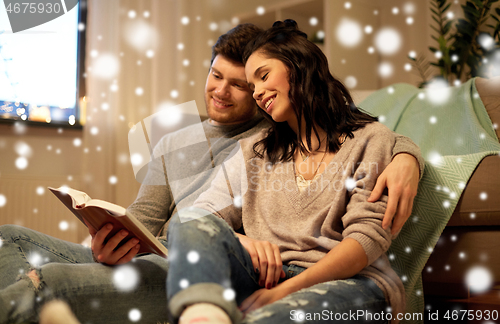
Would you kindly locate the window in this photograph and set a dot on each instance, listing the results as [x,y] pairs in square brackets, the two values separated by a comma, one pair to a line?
[40,79]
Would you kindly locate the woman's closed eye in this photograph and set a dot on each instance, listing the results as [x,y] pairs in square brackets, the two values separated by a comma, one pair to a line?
[264,77]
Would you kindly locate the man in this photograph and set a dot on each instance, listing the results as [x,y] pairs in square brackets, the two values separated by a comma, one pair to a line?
[95,292]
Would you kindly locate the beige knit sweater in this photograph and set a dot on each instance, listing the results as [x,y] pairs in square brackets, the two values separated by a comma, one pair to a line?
[264,199]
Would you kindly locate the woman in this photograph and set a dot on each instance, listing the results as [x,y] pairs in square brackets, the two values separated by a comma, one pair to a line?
[314,247]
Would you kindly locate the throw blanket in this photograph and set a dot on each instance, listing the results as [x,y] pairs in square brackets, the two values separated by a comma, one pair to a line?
[454,133]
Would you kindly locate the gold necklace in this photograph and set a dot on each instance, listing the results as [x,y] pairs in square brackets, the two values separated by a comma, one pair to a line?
[305,157]
[319,164]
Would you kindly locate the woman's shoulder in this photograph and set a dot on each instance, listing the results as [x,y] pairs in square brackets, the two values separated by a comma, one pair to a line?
[374,131]
[374,139]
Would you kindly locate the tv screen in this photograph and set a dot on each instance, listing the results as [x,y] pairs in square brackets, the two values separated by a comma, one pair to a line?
[39,69]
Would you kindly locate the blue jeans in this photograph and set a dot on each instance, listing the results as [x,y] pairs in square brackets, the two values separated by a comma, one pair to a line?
[209,264]
[96,293]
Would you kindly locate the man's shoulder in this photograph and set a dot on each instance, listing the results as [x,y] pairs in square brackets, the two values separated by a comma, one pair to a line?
[179,138]
[255,137]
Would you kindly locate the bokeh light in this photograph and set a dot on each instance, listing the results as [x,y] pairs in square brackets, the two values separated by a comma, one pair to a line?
[125,278]
[134,315]
[349,32]
[388,41]
[3,200]
[438,91]
[106,66]
[479,279]
[385,69]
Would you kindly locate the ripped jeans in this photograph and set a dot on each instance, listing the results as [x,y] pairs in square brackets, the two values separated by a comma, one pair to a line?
[96,293]
[207,263]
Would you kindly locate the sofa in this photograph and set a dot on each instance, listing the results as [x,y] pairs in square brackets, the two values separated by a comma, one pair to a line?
[471,239]
[455,224]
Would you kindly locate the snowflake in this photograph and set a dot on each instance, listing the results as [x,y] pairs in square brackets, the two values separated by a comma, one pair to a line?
[23,149]
[349,32]
[21,163]
[113,180]
[184,283]
[35,259]
[479,279]
[350,184]
[125,278]
[238,201]
[385,69]
[3,200]
[193,257]
[350,82]
[63,225]
[388,41]
[134,315]
[438,92]
[229,294]
[106,66]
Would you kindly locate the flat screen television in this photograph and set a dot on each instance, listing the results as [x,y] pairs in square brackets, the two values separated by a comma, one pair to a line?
[41,69]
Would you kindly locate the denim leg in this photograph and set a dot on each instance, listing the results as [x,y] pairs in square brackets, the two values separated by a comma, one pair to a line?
[96,293]
[207,264]
[22,249]
[354,300]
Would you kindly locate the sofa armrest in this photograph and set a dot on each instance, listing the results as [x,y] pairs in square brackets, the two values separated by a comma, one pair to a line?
[489,93]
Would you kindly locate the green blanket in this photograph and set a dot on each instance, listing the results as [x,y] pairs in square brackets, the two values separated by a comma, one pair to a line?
[454,135]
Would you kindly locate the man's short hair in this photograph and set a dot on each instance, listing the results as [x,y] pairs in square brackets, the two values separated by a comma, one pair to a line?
[232,44]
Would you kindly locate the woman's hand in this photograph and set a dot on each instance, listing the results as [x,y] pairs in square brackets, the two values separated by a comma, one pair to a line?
[266,259]
[401,177]
[105,252]
[263,297]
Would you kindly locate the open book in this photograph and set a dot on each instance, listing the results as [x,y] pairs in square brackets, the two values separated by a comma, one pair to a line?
[97,213]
